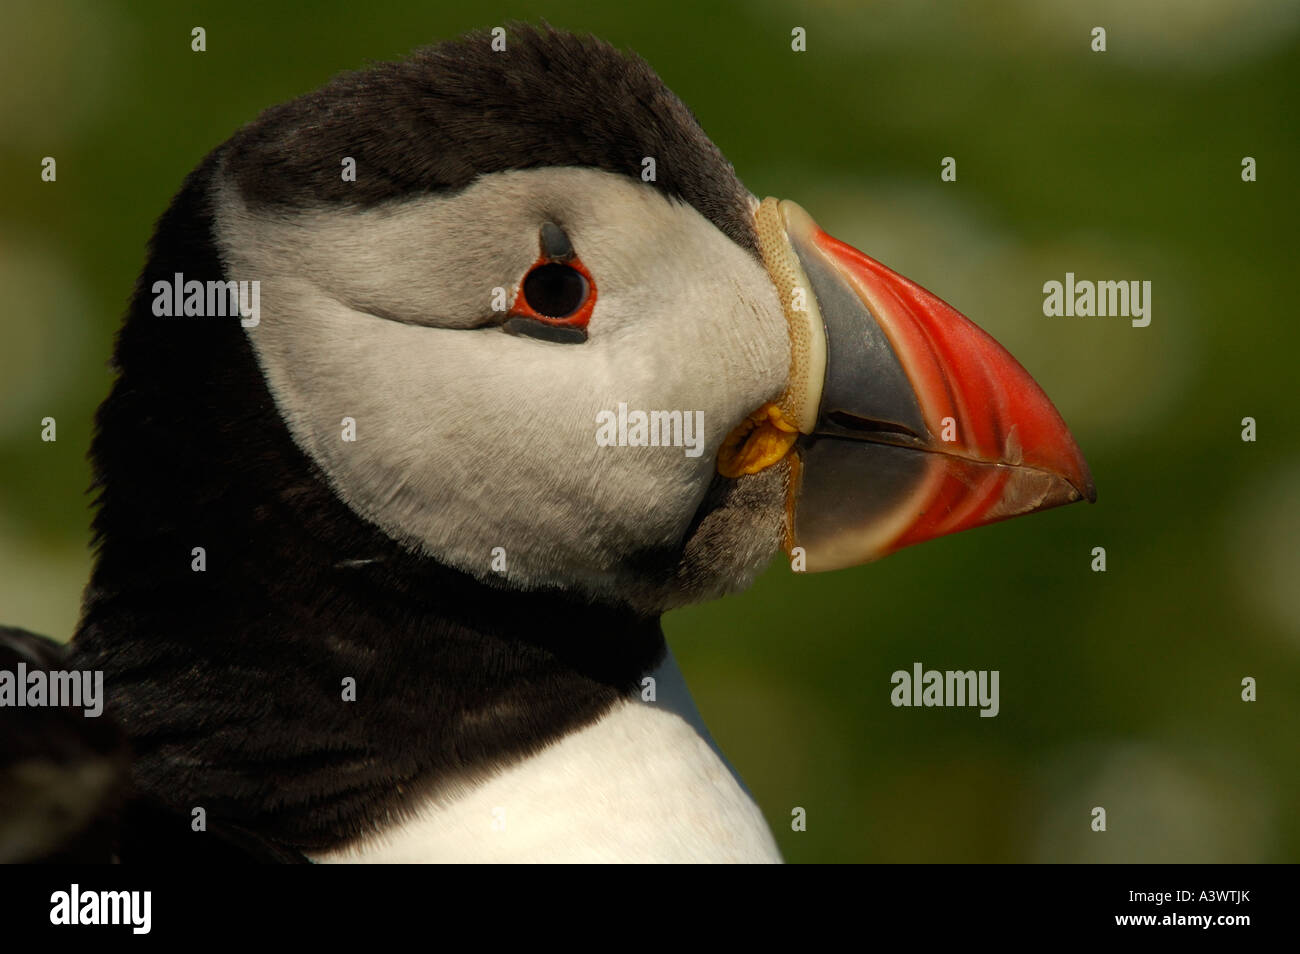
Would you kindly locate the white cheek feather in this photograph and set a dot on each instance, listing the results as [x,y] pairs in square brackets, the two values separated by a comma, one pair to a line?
[469,439]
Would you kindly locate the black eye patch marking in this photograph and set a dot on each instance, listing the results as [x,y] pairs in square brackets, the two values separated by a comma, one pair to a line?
[560,334]
[556,246]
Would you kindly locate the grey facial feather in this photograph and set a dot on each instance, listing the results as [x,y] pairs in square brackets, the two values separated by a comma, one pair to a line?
[469,439]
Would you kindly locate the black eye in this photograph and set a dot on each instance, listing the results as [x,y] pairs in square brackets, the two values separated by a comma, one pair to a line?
[555,290]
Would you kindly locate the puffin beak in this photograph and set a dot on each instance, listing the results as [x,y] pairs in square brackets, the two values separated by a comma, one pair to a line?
[913,422]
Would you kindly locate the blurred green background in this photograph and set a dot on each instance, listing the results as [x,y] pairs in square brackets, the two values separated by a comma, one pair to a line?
[1119,689]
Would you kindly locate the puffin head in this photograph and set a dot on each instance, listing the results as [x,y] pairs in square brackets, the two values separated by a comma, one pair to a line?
[519,315]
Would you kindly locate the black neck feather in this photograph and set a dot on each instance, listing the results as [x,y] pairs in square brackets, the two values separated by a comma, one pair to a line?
[230,682]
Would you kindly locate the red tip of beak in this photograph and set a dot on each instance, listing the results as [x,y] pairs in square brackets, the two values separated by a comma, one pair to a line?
[960,372]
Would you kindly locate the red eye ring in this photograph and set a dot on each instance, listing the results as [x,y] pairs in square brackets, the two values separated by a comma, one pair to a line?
[576,319]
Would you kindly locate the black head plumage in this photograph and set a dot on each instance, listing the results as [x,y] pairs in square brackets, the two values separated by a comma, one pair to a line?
[453,112]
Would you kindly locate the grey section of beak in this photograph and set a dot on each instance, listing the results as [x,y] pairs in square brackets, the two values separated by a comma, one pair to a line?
[866,394]
[846,485]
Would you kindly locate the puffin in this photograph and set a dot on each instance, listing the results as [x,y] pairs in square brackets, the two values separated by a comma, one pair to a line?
[440,385]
